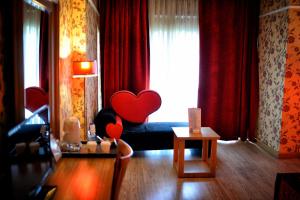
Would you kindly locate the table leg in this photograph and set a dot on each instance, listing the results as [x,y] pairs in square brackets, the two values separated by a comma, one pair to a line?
[213,157]
[175,153]
[181,144]
[204,150]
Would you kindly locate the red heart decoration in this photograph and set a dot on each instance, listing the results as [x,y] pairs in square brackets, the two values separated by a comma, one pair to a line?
[36,97]
[114,130]
[135,108]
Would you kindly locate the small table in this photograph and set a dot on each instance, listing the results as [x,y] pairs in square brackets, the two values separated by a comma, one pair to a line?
[181,134]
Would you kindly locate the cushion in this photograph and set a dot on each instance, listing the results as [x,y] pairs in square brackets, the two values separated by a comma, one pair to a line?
[135,108]
[132,128]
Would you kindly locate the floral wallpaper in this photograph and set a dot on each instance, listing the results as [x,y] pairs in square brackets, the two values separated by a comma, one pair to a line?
[92,24]
[290,132]
[91,84]
[79,26]
[272,51]
[79,53]
[279,77]
[78,41]
[294,2]
[271,5]
[65,60]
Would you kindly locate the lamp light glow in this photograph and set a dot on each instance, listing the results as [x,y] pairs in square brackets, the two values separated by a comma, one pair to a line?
[84,69]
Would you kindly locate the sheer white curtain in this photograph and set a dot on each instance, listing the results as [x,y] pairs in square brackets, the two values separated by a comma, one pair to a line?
[174,56]
[31,43]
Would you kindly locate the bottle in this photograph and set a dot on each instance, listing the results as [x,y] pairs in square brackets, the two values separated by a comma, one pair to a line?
[91,132]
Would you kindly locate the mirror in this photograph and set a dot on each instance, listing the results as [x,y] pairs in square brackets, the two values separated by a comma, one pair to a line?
[49,55]
[35,57]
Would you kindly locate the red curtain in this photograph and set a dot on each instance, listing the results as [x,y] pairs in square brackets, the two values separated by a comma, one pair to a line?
[228,77]
[124,46]
[43,68]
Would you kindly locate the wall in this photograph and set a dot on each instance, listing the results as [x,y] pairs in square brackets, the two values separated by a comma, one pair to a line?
[78,97]
[91,86]
[65,59]
[2,119]
[278,127]
[290,131]
[10,56]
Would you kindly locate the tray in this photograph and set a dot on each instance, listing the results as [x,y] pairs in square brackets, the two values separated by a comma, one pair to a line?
[85,153]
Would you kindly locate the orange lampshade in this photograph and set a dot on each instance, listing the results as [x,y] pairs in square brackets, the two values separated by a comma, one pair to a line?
[84,69]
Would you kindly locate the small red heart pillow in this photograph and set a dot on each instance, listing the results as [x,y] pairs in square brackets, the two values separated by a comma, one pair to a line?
[135,108]
[114,130]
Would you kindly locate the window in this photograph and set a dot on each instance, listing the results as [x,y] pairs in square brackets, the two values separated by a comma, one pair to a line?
[174,57]
[31,45]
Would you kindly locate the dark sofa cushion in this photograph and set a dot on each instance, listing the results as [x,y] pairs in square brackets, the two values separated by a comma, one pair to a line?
[151,127]
[153,135]
[163,127]
[132,128]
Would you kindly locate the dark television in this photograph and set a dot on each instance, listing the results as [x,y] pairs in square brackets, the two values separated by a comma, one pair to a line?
[29,154]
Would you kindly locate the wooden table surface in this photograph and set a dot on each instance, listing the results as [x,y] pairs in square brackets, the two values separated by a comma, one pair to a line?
[206,133]
[83,178]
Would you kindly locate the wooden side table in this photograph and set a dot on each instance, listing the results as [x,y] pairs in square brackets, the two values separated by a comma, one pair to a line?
[207,165]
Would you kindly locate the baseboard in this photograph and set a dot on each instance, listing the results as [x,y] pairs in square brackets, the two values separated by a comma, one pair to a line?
[276,153]
[289,155]
[267,149]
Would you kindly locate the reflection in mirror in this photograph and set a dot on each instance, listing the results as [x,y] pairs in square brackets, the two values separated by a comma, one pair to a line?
[35,46]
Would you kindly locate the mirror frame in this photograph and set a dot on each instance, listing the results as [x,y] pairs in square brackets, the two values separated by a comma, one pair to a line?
[53,54]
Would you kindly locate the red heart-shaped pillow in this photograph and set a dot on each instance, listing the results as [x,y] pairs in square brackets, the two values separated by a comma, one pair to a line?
[135,108]
[114,130]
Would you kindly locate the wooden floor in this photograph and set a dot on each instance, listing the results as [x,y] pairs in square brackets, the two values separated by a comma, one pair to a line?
[244,171]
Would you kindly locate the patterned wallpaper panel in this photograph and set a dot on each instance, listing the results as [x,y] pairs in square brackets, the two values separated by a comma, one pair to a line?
[79,26]
[91,97]
[271,5]
[78,102]
[290,132]
[65,46]
[279,76]
[92,24]
[71,30]
[78,41]
[91,84]
[294,2]
[272,51]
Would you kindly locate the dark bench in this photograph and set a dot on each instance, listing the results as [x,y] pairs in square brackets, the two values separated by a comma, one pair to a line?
[153,135]
[145,136]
